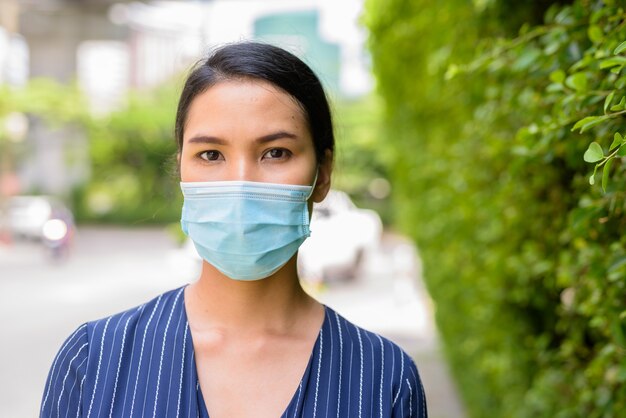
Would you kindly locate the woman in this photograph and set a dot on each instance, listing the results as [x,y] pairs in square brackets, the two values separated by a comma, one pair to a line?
[255,150]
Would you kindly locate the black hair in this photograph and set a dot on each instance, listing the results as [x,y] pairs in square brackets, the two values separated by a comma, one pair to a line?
[254,60]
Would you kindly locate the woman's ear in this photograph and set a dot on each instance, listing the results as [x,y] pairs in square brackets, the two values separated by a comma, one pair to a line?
[322,186]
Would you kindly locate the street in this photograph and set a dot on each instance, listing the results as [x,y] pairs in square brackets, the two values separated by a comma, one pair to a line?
[112,269]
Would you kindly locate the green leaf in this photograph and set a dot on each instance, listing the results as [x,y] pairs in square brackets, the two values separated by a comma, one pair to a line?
[586,123]
[608,100]
[605,174]
[612,62]
[620,48]
[577,81]
[620,105]
[526,58]
[617,141]
[557,76]
[595,34]
[452,71]
[622,152]
[585,62]
[594,153]
[615,265]
[554,87]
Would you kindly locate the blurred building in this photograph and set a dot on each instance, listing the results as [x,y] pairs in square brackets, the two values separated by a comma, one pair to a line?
[107,47]
[299,32]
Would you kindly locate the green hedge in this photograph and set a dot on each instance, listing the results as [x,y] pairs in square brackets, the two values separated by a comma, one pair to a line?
[526,261]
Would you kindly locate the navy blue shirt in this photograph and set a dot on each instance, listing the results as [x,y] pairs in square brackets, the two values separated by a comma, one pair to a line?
[141,363]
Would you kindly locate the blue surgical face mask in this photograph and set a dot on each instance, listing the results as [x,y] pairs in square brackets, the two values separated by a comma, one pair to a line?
[247,230]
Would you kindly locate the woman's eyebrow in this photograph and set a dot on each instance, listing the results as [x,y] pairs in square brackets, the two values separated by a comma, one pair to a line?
[207,139]
[204,139]
[277,135]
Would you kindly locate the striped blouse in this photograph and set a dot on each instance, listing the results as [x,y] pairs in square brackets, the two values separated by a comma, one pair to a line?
[140,363]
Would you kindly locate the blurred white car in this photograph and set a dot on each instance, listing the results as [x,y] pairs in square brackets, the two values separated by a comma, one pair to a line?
[341,236]
[39,218]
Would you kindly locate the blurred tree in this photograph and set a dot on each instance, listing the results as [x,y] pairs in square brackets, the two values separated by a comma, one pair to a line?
[134,175]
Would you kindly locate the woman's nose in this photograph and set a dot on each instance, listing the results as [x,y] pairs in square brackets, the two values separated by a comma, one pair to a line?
[241,169]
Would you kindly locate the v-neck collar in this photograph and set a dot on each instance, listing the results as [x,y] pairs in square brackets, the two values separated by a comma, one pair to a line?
[297,397]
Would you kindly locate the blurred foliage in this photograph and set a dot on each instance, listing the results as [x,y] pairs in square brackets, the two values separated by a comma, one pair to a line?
[360,162]
[492,122]
[134,176]
[44,98]
[41,98]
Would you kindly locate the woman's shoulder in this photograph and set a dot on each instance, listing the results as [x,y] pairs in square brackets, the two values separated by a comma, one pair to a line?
[97,335]
[155,314]
[381,369]
[372,344]
[121,333]
[99,357]
[372,350]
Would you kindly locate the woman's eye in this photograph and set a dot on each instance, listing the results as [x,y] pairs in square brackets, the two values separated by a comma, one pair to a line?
[277,153]
[210,155]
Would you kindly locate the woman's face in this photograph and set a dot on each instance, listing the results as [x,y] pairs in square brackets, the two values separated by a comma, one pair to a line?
[247,130]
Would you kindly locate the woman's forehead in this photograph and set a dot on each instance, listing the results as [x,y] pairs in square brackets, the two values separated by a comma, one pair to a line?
[249,89]
[236,98]
[245,102]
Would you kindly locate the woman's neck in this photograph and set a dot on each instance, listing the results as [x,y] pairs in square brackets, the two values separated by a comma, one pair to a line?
[275,304]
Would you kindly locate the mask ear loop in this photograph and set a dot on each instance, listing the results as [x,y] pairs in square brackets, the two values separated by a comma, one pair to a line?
[317,171]
[307,215]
